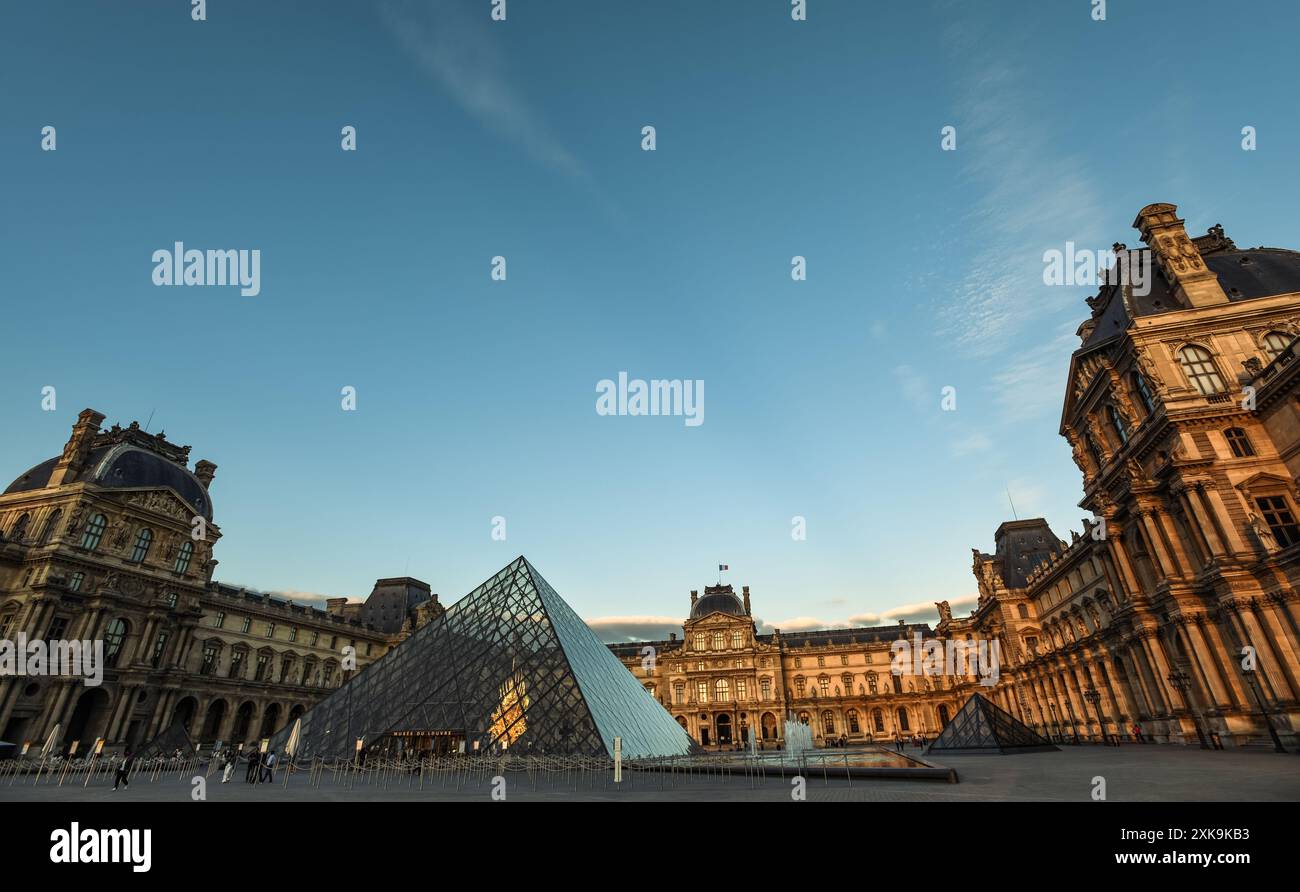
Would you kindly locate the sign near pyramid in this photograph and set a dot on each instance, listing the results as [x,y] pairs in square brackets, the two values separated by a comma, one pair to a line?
[509,667]
[982,727]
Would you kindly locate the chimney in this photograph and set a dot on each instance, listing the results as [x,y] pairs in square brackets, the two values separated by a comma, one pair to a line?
[77,450]
[1192,283]
[745,589]
[205,471]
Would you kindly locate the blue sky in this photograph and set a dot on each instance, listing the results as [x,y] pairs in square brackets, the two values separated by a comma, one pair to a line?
[523,139]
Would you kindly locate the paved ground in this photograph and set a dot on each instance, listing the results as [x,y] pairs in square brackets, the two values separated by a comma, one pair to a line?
[1132,773]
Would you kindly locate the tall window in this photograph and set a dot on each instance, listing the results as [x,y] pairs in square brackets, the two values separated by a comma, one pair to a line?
[871,682]
[141,549]
[219,620]
[94,532]
[1238,442]
[766,686]
[737,639]
[722,688]
[246,625]
[1023,611]
[1117,423]
[171,600]
[679,693]
[1278,516]
[824,685]
[878,721]
[1275,342]
[74,584]
[828,723]
[1198,365]
[799,685]
[742,689]
[51,525]
[237,664]
[1093,451]
[1143,392]
[5,622]
[158,647]
[902,720]
[113,639]
[854,727]
[701,642]
[183,557]
[270,630]
[717,641]
[210,652]
[263,663]
[20,528]
[702,691]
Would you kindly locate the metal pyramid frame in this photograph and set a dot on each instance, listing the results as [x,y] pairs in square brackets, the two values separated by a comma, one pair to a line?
[509,666]
[981,726]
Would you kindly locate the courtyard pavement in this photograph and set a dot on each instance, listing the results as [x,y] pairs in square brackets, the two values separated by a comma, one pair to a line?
[1132,773]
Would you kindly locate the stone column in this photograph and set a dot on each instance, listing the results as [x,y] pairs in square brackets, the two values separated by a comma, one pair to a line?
[1203,658]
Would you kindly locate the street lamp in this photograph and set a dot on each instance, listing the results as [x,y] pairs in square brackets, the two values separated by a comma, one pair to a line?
[1074,723]
[1092,696]
[1268,723]
[1183,682]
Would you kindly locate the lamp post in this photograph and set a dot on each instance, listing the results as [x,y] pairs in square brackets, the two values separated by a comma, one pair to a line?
[1074,723]
[1259,699]
[1056,724]
[1183,682]
[1093,697]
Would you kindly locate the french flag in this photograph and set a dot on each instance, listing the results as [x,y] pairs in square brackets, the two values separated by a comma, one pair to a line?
[722,567]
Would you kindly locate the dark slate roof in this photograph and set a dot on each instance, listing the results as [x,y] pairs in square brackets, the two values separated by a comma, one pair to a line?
[1023,545]
[1243,274]
[717,600]
[863,635]
[125,466]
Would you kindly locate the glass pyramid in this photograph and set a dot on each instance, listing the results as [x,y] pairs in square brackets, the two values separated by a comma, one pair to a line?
[983,727]
[509,666]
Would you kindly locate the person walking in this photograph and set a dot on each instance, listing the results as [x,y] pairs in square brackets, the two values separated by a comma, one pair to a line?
[254,763]
[228,767]
[1137,733]
[268,768]
[123,773]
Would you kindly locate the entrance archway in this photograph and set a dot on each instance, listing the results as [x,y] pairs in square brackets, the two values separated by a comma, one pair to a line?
[243,723]
[724,729]
[89,719]
[943,715]
[270,721]
[184,713]
[212,721]
[769,726]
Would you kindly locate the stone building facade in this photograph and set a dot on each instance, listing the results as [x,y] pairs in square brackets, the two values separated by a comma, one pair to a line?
[113,541]
[1176,608]
[723,680]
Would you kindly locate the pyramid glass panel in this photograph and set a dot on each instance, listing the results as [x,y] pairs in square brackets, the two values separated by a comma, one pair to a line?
[509,667]
[983,727]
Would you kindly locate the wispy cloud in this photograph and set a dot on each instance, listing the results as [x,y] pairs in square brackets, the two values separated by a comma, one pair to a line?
[460,55]
[619,629]
[1033,196]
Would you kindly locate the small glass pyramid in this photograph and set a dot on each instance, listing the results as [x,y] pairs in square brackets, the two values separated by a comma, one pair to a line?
[983,727]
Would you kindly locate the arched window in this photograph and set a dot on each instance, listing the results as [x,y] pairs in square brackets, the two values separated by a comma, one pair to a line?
[854,727]
[1143,393]
[943,715]
[1238,442]
[113,638]
[1275,342]
[51,525]
[20,528]
[722,690]
[701,641]
[737,639]
[718,641]
[878,721]
[828,723]
[1117,423]
[141,546]
[902,720]
[804,718]
[94,532]
[183,557]
[1198,365]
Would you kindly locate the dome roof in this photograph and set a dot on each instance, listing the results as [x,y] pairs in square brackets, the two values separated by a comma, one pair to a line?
[126,466]
[717,600]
